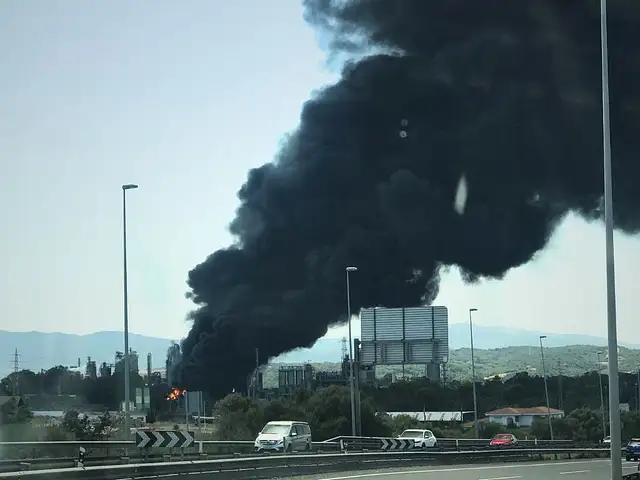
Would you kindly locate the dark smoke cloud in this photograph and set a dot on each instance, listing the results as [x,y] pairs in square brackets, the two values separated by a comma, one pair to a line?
[507,93]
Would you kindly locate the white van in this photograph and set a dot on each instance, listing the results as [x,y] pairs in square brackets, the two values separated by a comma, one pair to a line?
[284,436]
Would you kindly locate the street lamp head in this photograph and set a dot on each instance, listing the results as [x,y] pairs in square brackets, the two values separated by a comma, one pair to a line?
[473,309]
[542,336]
[352,269]
[129,186]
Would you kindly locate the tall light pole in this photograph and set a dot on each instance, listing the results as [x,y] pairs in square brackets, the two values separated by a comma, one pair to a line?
[612,334]
[351,377]
[638,392]
[473,376]
[126,187]
[546,389]
[604,422]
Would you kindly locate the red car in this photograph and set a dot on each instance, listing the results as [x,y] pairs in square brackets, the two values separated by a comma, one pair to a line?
[503,439]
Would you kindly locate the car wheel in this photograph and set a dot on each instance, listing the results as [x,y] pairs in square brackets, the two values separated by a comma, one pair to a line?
[628,459]
[307,447]
[289,448]
[424,446]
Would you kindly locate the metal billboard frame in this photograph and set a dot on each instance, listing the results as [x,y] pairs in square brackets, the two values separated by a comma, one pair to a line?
[407,343]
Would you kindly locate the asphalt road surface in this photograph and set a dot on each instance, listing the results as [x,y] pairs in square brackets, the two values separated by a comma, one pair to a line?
[563,470]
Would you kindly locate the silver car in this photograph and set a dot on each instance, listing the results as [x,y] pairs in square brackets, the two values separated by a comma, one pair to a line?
[286,436]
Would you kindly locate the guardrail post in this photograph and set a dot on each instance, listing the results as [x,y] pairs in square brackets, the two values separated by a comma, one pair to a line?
[182,454]
[457,445]
[342,445]
[81,453]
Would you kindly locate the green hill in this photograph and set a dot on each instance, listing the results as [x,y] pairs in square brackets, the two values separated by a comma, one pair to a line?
[571,361]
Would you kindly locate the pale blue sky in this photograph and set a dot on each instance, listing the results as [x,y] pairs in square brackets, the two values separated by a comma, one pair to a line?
[183,98]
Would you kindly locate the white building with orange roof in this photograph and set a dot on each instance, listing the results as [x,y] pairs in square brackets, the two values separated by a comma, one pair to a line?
[521,417]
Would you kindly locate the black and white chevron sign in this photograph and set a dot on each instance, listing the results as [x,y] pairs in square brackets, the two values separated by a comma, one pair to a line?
[396,444]
[163,438]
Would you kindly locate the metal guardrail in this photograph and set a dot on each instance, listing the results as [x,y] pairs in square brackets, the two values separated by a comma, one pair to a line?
[48,455]
[453,444]
[461,443]
[244,468]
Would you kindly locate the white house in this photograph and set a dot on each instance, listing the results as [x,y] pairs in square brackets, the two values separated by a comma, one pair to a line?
[521,417]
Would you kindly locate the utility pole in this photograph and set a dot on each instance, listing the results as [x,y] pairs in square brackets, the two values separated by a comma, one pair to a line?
[604,422]
[638,389]
[546,389]
[352,382]
[612,323]
[473,375]
[560,396]
[125,299]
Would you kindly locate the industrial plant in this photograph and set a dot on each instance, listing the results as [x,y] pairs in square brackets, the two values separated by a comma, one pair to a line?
[389,336]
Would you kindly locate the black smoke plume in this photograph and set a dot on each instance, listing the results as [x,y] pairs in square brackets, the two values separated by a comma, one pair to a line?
[504,93]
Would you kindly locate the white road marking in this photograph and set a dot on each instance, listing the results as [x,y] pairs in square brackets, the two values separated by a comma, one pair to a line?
[575,471]
[502,478]
[460,469]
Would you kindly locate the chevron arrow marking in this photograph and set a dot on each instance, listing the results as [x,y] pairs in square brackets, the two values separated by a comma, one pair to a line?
[159,439]
[188,439]
[164,438]
[143,439]
[173,439]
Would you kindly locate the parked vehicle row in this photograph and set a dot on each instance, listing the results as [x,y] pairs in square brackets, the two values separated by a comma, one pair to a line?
[290,436]
[426,439]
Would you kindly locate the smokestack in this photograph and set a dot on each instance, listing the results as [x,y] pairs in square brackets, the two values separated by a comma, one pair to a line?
[465,145]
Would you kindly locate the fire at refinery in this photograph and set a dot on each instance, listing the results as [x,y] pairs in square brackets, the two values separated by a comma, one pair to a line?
[176,393]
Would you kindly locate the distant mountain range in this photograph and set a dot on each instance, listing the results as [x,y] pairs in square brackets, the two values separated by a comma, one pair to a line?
[484,338]
[38,350]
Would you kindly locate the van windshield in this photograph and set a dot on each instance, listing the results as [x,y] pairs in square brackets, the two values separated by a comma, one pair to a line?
[276,429]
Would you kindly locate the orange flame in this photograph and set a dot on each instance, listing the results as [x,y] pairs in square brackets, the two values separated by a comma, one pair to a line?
[175,393]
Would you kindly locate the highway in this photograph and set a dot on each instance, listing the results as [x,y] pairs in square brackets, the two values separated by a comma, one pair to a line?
[566,470]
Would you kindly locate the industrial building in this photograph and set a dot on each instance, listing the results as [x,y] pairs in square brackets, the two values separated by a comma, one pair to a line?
[388,337]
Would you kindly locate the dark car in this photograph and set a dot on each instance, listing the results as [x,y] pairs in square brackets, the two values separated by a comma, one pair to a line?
[633,449]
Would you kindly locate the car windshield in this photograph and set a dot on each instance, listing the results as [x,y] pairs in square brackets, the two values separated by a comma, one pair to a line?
[503,436]
[275,429]
[635,440]
[411,433]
